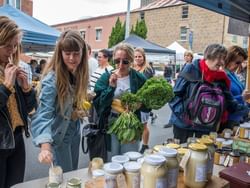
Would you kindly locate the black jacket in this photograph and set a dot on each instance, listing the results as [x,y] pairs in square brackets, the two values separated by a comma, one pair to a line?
[26,103]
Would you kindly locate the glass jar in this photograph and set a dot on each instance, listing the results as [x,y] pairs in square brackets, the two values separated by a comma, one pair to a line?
[173,146]
[98,173]
[213,135]
[133,156]
[195,172]
[219,142]
[234,158]
[172,166]
[74,183]
[96,163]
[111,172]
[244,131]
[154,172]
[132,174]
[181,152]
[53,185]
[121,159]
[55,174]
[211,150]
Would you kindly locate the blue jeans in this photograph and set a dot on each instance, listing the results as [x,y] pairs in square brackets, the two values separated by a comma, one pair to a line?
[66,154]
[118,149]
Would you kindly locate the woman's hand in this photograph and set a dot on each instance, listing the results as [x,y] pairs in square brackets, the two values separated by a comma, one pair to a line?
[45,155]
[22,79]
[246,94]
[10,73]
[113,80]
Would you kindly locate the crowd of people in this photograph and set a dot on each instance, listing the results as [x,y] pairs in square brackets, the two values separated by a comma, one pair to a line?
[72,72]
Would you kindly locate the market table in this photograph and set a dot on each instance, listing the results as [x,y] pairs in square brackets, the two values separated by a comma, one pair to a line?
[83,175]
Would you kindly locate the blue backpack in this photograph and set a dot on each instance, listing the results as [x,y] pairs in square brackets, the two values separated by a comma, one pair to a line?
[204,106]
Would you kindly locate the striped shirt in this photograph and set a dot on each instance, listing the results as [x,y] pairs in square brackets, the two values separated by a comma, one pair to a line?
[96,75]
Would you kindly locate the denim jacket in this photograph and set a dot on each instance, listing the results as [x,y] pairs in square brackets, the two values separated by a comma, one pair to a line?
[49,124]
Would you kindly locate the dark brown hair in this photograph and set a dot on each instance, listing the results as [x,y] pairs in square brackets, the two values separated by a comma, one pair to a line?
[233,52]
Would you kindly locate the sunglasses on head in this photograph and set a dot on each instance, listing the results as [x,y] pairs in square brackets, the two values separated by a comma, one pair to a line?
[117,61]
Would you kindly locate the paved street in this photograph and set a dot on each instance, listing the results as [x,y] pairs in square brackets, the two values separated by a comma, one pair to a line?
[36,170]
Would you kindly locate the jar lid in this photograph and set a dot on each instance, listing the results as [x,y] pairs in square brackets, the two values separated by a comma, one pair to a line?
[173,146]
[140,160]
[182,151]
[120,159]
[113,168]
[220,139]
[206,141]
[132,166]
[155,160]
[158,147]
[74,181]
[245,125]
[133,156]
[168,152]
[197,147]
[98,173]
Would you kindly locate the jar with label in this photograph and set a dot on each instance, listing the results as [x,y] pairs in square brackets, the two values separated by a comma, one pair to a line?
[181,152]
[211,150]
[53,185]
[172,166]
[121,159]
[74,183]
[154,172]
[55,174]
[112,170]
[133,156]
[234,158]
[244,130]
[195,172]
[96,163]
[132,174]
[173,146]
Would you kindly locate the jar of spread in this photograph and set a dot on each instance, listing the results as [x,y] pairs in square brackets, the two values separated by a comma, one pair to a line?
[121,159]
[219,142]
[157,148]
[53,185]
[173,146]
[195,172]
[55,174]
[74,183]
[211,150]
[96,163]
[132,174]
[244,131]
[172,166]
[112,170]
[154,172]
[181,152]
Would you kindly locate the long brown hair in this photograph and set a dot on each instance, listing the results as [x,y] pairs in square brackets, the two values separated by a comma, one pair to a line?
[70,41]
[145,63]
[8,30]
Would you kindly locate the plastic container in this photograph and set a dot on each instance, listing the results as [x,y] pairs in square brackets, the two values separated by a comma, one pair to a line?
[154,172]
[111,172]
[195,172]
[133,156]
[172,166]
[121,159]
[237,175]
[55,174]
[132,174]
[211,150]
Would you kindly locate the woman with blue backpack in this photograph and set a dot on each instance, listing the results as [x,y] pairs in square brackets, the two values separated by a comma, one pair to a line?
[235,57]
[202,96]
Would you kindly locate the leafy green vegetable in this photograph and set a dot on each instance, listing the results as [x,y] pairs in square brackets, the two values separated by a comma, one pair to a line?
[130,101]
[155,93]
[127,127]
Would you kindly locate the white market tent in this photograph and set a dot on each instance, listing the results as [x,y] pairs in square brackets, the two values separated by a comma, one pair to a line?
[180,50]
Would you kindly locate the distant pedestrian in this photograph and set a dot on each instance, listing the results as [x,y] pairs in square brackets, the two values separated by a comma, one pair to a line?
[168,73]
[56,124]
[93,63]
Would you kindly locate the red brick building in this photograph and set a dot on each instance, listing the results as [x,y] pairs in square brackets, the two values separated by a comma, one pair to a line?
[23,5]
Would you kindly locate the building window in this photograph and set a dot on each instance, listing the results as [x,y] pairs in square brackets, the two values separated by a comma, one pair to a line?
[184,12]
[83,34]
[183,34]
[234,39]
[14,3]
[245,42]
[98,34]
[142,15]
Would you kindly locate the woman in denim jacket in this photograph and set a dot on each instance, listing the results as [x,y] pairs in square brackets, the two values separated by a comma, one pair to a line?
[17,99]
[55,126]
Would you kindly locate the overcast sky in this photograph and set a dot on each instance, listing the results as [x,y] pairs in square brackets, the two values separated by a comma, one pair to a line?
[59,11]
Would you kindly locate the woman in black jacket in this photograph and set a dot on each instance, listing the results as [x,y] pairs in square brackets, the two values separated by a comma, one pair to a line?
[17,99]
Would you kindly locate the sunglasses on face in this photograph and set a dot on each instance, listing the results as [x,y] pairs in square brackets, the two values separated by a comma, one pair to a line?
[118,61]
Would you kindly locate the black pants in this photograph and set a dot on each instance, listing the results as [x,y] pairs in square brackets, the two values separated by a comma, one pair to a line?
[12,162]
[183,134]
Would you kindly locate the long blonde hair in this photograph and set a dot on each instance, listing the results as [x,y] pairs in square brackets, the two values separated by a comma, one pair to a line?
[145,63]
[8,30]
[69,41]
